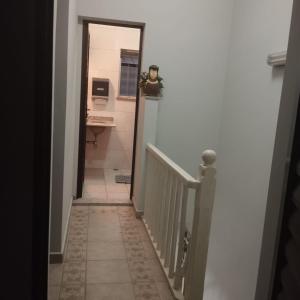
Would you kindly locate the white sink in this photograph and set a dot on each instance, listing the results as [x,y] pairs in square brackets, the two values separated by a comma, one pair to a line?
[100,121]
[97,124]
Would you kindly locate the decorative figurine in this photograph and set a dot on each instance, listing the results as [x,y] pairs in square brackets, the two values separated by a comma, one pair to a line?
[151,82]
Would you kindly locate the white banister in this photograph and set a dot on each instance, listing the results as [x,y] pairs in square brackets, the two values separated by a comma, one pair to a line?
[201,227]
[166,195]
[160,156]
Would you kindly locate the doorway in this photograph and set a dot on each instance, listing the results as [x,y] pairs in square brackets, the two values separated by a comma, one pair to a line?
[111,64]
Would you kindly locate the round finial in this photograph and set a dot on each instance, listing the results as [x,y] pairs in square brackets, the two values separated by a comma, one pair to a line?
[209,157]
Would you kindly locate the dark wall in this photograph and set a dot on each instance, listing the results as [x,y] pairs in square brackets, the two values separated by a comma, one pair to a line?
[26,65]
[59,119]
[281,161]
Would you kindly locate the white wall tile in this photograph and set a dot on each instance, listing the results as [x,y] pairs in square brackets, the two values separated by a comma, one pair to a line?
[114,146]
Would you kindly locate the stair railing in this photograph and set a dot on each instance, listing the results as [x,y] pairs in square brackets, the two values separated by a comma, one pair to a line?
[182,253]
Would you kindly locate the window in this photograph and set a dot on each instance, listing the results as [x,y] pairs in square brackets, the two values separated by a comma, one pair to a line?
[129,73]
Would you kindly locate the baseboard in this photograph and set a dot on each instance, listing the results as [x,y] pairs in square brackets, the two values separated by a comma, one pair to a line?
[65,237]
[56,258]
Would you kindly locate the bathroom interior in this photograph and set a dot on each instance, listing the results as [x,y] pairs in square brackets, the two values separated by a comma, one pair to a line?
[113,62]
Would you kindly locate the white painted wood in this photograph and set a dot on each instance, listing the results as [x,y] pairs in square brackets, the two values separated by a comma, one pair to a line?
[277,59]
[156,201]
[179,272]
[201,228]
[166,196]
[175,233]
[150,192]
[182,174]
[165,173]
[147,188]
[170,222]
[166,214]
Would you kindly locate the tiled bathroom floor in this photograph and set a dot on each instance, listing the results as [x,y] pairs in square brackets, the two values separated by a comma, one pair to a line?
[108,257]
[100,187]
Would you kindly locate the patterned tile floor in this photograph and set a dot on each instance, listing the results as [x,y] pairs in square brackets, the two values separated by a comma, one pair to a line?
[108,257]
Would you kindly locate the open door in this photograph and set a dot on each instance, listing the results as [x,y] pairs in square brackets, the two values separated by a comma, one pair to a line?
[83,107]
[84,100]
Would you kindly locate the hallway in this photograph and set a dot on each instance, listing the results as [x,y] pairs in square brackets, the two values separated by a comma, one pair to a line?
[108,256]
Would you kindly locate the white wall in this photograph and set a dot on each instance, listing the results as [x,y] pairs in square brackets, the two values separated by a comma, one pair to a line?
[189,42]
[70,133]
[64,135]
[114,145]
[245,149]
[58,135]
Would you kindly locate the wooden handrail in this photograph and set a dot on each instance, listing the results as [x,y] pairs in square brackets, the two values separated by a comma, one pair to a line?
[189,180]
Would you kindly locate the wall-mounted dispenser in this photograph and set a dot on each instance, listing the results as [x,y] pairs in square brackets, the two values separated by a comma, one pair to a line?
[100,88]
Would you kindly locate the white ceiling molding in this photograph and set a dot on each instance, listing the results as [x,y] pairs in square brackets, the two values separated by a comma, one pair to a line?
[277,59]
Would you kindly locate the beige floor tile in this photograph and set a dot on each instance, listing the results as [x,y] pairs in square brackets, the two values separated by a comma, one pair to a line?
[140,271]
[94,180]
[109,175]
[156,270]
[118,196]
[144,234]
[79,210]
[131,235]
[96,234]
[146,291]
[91,200]
[55,274]
[125,211]
[53,292]
[78,223]
[76,251]
[164,291]
[116,188]
[72,292]
[77,237]
[106,250]
[110,250]
[77,230]
[102,210]
[91,173]
[108,271]
[94,191]
[97,195]
[111,222]
[149,250]
[119,291]
[103,215]
[74,273]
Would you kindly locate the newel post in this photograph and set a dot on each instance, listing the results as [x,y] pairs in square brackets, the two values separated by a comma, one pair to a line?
[204,202]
